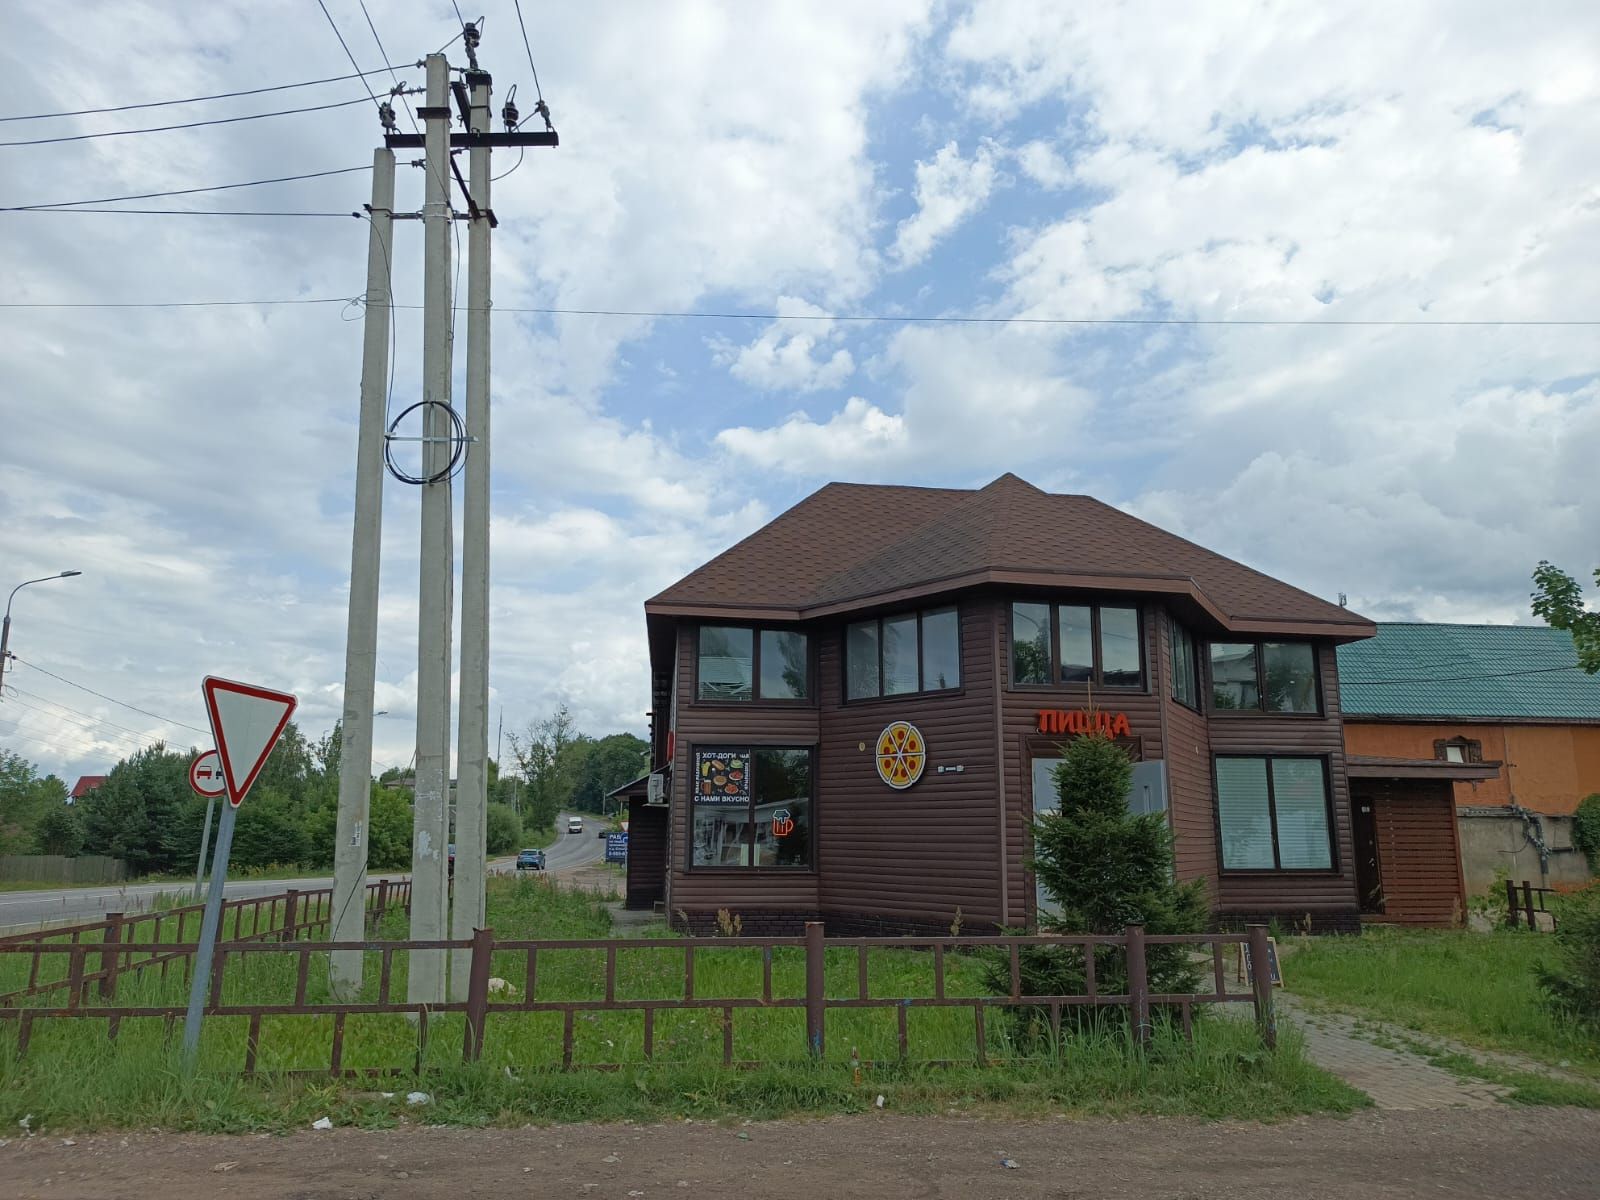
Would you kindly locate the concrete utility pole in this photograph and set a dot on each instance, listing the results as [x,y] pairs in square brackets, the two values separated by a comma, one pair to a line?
[361,632]
[472,741]
[429,882]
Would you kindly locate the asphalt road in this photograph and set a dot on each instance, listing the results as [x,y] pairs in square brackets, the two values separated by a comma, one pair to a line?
[21,911]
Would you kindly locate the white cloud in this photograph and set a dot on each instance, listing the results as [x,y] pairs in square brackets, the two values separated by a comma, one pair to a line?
[859,436]
[1043,164]
[949,189]
[791,354]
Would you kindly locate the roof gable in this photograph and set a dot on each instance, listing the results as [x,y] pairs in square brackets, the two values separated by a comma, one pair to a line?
[849,545]
[1436,670]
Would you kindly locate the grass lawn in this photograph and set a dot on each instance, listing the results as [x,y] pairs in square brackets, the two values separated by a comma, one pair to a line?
[72,1078]
[1478,988]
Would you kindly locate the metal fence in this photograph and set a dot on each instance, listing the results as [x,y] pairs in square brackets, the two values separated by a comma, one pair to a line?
[1523,905]
[58,957]
[480,1003]
[58,868]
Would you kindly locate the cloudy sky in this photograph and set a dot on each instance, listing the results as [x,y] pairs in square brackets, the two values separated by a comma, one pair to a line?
[1360,174]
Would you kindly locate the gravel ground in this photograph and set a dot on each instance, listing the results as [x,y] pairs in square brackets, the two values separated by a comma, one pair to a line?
[1495,1153]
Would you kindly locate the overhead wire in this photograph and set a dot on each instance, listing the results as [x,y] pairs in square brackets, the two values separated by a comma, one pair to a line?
[281,87]
[334,25]
[537,91]
[216,187]
[143,735]
[103,696]
[90,727]
[84,137]
[384,54]
[187,212]
[1350,681]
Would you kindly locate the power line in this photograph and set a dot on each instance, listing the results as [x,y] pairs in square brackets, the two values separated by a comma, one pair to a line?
[281,87]
[884,318]
[384,54]
[89,726]
[112,699]
[332,24]
[187,212]
[285,112]
[523,25]
[217,187]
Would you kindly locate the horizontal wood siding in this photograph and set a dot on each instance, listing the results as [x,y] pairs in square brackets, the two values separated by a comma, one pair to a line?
[920,854]
[1287,892]
[1023,743]
[1417,855]
[647,854]
[731,724]
[1189,793]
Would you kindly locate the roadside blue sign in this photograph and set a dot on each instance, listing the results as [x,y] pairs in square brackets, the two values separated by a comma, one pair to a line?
[617,847]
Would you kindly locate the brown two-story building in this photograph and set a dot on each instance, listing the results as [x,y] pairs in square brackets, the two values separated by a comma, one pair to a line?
[856,710]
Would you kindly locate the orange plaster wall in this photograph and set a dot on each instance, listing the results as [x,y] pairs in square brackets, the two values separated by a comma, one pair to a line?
[1550,767]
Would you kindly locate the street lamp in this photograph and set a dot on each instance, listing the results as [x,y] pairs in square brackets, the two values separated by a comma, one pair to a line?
[5,629]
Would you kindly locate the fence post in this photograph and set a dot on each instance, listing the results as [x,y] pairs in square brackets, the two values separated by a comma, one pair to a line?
[816,989]
[382,903]
[1138,985]
[1511,903]
[109,958]
[1261,985]
[1527,902]
[477,993]
[291,914]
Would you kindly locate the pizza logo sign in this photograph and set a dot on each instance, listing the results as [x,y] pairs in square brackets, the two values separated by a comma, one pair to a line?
[902,755]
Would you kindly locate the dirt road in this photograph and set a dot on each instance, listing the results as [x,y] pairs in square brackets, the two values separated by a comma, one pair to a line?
[1494,1153]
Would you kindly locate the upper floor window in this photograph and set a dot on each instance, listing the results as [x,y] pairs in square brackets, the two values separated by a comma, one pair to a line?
[739,663]
[1458,750]
[1184,664]
[1076,643]
[1264,676]
[909,652]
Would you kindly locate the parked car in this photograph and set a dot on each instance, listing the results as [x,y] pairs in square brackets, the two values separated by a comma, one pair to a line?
[530,860]
[574,824]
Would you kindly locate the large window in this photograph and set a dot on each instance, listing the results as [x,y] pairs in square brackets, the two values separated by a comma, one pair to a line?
[1185,668]
[1076,643]
[910,652]
[738,663]
[752,807]
[1273,814]
[1264,676]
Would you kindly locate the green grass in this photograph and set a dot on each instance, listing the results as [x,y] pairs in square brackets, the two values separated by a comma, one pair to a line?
[1477,988]
[72,1077]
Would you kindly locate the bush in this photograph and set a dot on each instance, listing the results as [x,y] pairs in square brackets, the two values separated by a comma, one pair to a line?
[1586,829]
[60,831]
[1572,983]
[505,830]
[1105,869]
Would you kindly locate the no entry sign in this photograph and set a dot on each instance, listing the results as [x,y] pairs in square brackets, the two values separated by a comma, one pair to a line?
[205,775]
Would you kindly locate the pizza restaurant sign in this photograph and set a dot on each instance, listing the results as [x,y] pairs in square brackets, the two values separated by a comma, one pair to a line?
[1056,720]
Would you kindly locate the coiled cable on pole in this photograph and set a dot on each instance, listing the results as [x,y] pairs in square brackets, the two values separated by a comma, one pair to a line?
[458,444]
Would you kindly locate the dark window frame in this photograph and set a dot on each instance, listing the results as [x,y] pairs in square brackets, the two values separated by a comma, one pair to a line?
[1471,749]
[1208,687]
[809,700]
[751,748]
[922,690]
[1332,869]
[1054,682]
[1176,632]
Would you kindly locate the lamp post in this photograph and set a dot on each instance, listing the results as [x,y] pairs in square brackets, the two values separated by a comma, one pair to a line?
[5,628]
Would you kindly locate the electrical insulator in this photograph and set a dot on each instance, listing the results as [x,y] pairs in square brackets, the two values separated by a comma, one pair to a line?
[386,116]
[543,110]
[508,114]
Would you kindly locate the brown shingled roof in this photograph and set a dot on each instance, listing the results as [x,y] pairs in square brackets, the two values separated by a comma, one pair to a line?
[851,546]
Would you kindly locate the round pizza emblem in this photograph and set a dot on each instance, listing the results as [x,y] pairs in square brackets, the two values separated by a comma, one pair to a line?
[902,754]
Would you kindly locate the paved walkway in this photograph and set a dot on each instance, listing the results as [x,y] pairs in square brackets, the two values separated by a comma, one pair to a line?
[1395,1078]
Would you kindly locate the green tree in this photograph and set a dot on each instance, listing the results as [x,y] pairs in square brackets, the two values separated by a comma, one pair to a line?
[25,798]
[545,759]
[389,825]
[135,815]
[614,760]
[59,831]
[1103,868]
[1558,602]
[505,830]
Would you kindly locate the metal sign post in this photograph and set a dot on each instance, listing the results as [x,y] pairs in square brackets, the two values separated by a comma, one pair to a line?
[205,779]
[247,722]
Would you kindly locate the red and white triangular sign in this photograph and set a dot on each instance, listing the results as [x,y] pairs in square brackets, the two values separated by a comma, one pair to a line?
[246,721]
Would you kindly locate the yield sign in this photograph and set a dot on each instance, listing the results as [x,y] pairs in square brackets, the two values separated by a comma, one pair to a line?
[246,721]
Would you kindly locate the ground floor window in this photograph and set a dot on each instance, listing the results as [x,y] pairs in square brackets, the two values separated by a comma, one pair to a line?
[1273,813]
[752,806]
